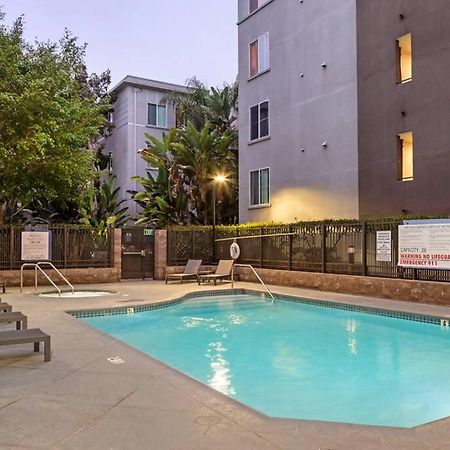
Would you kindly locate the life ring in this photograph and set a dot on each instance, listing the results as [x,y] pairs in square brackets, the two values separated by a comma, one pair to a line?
[235,250]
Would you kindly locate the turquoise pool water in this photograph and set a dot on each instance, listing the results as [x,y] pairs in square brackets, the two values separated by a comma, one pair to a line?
[301,361]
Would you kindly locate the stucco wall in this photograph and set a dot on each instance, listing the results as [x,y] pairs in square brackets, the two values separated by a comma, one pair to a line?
[425,102]
[126,161]
[305,111]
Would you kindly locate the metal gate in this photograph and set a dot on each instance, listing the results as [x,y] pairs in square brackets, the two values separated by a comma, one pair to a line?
[138,253]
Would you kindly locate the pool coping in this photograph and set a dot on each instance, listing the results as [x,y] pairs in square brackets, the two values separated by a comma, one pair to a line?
[442,320]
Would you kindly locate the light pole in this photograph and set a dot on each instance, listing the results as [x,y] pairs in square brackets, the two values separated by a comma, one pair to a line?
[218,179]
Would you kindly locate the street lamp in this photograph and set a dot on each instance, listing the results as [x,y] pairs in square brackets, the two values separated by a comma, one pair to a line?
[218,179]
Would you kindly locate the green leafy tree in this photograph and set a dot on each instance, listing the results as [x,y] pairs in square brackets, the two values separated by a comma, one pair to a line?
[51,113]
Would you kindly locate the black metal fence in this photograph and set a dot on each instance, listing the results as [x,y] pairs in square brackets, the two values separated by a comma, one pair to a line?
[340,248]
[71,246]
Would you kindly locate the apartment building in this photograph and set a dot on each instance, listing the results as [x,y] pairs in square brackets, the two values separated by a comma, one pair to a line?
[344,108]
[139,108]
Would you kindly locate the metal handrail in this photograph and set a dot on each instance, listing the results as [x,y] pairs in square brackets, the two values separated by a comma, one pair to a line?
[48,263]
[257,276]
[35,276]
[38,266]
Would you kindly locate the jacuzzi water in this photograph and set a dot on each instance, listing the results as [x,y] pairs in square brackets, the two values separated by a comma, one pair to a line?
[76,294]
[301,361]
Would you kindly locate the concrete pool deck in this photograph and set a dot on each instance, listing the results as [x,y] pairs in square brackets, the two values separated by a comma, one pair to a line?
[80,400]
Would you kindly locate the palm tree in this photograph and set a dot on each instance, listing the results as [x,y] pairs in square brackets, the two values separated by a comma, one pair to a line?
[163,199]
[102,210]
[201,104]
[203,154]
[186,161]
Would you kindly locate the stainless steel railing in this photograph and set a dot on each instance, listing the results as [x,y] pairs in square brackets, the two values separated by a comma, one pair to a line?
[37,266]
[257,276]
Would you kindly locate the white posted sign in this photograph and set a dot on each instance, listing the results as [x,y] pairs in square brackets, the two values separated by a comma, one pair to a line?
[425,246]
[35,245]
[384,246]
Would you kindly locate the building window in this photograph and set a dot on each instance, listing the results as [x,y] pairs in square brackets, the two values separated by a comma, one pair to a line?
[404,59]
[259,55]
[259,187]
[256,4]
[405,157]
[259,121]
[157,115]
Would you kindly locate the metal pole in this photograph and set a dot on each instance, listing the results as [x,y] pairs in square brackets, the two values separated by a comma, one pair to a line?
[214,225]
[364,249]
[290,248]
[324,248]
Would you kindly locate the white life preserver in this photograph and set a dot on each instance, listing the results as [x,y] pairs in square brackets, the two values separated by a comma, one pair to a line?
[235,250]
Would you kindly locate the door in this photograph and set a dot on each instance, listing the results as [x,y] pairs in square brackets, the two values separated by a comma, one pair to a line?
[138,252]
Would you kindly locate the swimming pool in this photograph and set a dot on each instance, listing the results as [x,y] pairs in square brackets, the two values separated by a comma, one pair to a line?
[300,360]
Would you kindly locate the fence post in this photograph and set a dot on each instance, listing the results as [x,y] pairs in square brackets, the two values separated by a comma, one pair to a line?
[65,247]
[213,234]
[168,253]
[11,247]
[290,248]
[261,250]
[364,249]
[324,248]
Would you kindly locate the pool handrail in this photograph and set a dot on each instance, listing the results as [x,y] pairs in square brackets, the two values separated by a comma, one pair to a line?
[37,266]
[257,276]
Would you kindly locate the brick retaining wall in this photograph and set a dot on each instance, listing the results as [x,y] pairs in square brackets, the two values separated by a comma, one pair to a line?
[390,288]
[394,289]
[75,276]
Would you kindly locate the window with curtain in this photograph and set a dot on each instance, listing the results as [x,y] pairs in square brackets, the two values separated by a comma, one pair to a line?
[404,59]
[157,115]
[405,157]
[259,187]
[259,55]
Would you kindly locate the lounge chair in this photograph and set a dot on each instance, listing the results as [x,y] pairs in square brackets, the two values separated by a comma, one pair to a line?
[18,317]
[32,336]
[223,271]
[190,271]
[5,307]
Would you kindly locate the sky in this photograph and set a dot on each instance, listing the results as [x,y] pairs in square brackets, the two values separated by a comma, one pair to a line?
[170,40]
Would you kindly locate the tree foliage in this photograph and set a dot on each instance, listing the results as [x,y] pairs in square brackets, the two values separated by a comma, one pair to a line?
[201,104]
[187,160]
[101,209]
[51,112]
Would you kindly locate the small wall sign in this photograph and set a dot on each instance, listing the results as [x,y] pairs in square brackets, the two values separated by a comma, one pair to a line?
[35,245]
[384,246]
